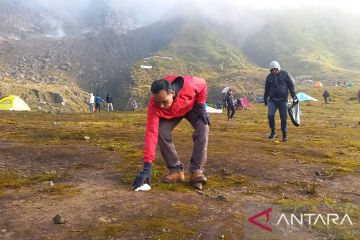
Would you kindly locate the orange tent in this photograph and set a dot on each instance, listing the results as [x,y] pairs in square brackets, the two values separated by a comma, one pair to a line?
[318,85]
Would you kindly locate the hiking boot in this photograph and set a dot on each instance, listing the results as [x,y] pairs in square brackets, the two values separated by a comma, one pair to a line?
[174,177]
[284,137]
[198,177]
[272,135]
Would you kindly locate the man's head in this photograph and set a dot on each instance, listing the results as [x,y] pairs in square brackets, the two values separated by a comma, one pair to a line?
[274,67]
[163,93]
[230,92]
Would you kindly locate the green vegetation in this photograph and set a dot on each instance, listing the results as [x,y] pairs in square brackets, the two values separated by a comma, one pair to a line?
[44,97]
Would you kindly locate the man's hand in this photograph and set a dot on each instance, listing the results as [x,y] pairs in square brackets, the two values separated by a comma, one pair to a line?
[295,101]
[265,102]
[144,176]
[200,110]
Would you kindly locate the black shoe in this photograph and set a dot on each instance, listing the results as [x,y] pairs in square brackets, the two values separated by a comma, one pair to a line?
[272,135]
[284,138]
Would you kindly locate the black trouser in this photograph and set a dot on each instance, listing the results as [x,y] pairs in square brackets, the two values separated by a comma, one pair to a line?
[230,111]
[273,105]
[326,100]
[97,106]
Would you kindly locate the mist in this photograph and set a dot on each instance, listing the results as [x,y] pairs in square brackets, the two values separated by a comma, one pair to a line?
[242,17]
[145,12]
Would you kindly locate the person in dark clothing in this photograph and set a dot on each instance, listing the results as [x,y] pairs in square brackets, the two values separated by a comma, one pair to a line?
[239,104]
[109,103]
[229,99]
[223,97]
[98,102]
[326,96]
[277,87]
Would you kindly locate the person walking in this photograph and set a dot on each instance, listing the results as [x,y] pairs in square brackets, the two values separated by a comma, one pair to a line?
[326,96]
[229,99]
[277,87]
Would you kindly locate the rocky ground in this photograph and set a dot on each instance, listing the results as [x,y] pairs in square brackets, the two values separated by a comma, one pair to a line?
[81,167]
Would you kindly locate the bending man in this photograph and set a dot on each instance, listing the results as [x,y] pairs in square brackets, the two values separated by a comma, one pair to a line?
[174,98]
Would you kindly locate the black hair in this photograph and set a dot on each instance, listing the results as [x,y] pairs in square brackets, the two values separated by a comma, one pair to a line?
[159,85]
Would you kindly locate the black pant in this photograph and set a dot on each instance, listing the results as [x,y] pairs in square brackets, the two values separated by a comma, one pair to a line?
[97,106]
[273,105]
[230,111]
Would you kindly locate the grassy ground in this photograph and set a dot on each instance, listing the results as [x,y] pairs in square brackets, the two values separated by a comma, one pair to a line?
[47,167]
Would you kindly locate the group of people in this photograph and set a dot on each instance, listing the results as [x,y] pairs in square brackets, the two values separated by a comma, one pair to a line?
[95,103]
[174,98]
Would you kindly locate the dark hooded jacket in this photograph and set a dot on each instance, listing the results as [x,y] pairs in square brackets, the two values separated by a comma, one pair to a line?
[278,86]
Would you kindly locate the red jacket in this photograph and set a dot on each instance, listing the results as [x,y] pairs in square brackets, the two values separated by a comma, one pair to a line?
[193,91]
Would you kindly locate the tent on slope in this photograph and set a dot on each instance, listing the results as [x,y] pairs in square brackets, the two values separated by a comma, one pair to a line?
[318,84]
[213,110]
[349,85]
[304,97]
[260,99]
[245,102]
[13,103]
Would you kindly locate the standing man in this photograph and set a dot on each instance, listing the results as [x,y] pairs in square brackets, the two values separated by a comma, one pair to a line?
[174,98]
[109,103]
[277,87]
[92,103]
[98,102]
[134,105]
[229,99]
[326,96]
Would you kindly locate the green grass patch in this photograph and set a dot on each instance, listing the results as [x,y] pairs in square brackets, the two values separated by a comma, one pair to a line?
[151,228]
[60,190]
[226,182]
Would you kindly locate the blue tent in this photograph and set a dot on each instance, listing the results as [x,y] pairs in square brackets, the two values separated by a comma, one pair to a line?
[304,97]
[260,99]
[349,85]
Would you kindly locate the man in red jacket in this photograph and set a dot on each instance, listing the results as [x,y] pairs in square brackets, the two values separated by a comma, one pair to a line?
[174,98]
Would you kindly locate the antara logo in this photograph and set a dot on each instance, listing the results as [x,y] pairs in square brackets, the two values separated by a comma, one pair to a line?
[306,218]
[265,212]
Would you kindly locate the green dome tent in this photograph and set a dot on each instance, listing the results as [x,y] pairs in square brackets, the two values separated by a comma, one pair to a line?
[13,103]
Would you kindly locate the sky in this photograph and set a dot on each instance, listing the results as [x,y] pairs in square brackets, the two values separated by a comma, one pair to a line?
[148,11]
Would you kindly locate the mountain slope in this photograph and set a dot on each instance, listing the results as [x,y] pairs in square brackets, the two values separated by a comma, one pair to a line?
[196,48]
[308,41]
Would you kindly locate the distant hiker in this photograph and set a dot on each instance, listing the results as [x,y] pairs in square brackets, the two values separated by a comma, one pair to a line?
[229,99]
[358,95]
[326,96]
[223,97]
[98,102]
[174,98]
[109,103]
[134,105]
[92,103]
[238,104]
[277,86]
